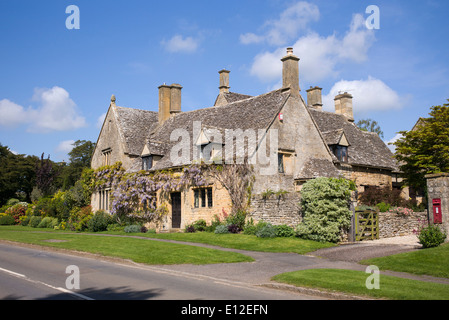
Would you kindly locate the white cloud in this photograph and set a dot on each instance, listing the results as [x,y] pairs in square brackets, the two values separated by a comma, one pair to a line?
[393,140]
[57,112]
[65,146]
[368,95]
[179,44]
[319,55]
[12,114]
[290,22]
[100,120]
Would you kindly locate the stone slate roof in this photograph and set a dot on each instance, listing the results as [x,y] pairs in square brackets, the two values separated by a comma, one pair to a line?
[315,168]
[233,97]
[134,124]
[251,113]
[365,149]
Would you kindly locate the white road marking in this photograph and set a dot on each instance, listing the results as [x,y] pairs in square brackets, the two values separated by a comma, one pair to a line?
[24,277]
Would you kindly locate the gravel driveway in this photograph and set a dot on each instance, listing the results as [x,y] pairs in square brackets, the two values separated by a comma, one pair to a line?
[355,252]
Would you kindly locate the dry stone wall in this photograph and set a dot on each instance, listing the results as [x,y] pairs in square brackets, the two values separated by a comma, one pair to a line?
[277,210]
[394,225]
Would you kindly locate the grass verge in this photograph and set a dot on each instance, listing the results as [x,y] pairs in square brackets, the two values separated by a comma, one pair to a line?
[137,250]
[354,282]
[431,261]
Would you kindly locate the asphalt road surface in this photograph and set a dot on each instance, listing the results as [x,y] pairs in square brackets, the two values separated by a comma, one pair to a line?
[33,274]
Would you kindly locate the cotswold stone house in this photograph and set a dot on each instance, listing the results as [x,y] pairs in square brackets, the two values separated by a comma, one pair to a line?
[286,139]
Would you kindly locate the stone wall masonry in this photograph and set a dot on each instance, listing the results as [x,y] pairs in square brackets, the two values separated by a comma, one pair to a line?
[277,210]
[394,225]
[438,188]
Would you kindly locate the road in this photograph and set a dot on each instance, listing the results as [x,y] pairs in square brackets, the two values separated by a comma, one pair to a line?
[34,274]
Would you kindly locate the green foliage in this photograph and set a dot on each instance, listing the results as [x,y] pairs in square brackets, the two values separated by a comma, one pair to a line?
[371,126]
[284,231]
[17,211]
[431,236]
[383,207]
[238,218]
[374,195]
[200,225]
[251,229]
[7,220]
[134,228]
[425,149]
[34,221]
[325,202]
[48,222]
[267,194]
[221,229]
[99,222]
[267,231]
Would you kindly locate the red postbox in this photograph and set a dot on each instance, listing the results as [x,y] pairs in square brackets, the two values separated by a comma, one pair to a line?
[437,216]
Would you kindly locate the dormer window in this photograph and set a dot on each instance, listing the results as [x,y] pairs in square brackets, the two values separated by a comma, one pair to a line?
[106,157]
[147,162]
[341,152]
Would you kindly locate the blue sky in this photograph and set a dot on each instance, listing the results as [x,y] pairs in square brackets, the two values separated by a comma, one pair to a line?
[56,82]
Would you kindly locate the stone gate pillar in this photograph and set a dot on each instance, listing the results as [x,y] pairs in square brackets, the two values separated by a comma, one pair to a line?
[438,192]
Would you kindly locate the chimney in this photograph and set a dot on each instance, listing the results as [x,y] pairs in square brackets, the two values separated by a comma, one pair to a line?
[169,101]
[314,99]
[224,81]
[343,105]
[290,72]
[175,96]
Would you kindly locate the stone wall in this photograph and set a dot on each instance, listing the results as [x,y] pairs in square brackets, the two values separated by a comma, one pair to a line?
[277,210]
[394,225]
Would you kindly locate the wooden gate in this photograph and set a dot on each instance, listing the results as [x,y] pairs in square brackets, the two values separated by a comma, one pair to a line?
[366,225]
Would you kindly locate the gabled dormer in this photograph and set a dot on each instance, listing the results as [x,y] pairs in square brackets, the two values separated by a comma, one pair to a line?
[338,143]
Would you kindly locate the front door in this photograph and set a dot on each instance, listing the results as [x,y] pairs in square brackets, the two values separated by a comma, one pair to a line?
[176,210]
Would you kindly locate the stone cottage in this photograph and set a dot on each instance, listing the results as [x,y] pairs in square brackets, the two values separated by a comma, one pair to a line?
[286,139]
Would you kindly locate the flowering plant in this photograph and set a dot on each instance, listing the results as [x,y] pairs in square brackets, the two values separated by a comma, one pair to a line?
[400,211]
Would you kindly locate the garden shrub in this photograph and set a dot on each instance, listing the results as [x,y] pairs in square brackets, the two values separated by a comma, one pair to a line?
[252,229]
[284,231]
[100,221]
[79,218]
[266,231]
[325,202]
[190,228]
[233,228]
[200,225]
[431,236]
[383,207]
[238,218]
[375,195]
[17,211]
[7,220]
[134,228]
[221,229]
[48,222]
[34,221]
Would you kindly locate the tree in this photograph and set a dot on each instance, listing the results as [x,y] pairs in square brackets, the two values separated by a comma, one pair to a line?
[79,159]
[17,175]
[425,149]
[45,175]
[371,126]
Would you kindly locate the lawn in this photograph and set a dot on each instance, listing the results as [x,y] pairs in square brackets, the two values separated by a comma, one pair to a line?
[431,261]
[138,250]
[354,282]
[247,242]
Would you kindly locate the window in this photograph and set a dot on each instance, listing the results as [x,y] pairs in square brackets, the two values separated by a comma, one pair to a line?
[107,157]
[103,203]
[280,163]
[147,163]
[341,152]
[202,198]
